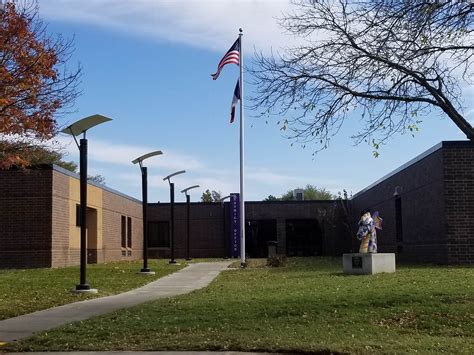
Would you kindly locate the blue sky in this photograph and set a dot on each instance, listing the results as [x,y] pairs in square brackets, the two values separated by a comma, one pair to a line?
[147,65]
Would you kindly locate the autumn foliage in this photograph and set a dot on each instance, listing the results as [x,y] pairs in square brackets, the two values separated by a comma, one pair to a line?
[34,84]
[21,153]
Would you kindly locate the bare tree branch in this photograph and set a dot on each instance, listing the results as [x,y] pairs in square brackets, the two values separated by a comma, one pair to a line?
[388,61]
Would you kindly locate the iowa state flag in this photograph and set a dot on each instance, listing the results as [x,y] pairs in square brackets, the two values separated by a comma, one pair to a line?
[235,99]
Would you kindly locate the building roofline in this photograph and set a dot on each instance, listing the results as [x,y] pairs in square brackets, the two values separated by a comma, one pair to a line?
[100,186]
[426,153]
[246,202]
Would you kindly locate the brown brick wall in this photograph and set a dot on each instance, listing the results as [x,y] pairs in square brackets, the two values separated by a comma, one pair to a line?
[206,229]
[25,218]
[459,201]
[210,227]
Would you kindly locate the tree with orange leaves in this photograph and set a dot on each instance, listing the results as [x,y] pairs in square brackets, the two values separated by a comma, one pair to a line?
[35,86]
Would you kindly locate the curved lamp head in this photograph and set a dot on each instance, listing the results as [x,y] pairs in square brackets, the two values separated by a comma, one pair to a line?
[185,191]
[84,124]
[174,174]
[140,159]
[224,198]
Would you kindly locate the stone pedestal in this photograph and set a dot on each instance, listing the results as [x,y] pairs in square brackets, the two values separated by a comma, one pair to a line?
[368,264]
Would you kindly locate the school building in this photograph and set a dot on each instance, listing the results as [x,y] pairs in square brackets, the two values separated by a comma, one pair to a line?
[427,206]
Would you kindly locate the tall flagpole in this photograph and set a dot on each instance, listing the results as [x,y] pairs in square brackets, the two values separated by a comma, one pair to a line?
[242,199]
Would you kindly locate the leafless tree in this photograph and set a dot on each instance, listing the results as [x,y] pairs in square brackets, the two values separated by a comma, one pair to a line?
[390,62]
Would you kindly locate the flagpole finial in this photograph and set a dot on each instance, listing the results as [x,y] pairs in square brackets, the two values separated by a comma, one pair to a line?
[241,30]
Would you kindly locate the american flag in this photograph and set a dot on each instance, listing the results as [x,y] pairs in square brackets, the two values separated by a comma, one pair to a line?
[235,99]
[231,57]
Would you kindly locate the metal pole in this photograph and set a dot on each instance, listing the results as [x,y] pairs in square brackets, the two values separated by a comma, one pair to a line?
[145,218]
[188,203]
[83,217]
[242,199]
[172,261]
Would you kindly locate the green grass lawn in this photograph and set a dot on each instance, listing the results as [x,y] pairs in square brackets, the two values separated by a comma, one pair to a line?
[26,291]
[307,306]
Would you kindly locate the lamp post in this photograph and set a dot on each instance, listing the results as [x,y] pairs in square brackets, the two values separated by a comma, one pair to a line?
[226,246]
[172,261]
[76,129]
[145,270]
[188,202]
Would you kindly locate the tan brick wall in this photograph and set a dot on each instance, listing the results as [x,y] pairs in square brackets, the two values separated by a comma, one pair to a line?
[104,233]
[60,222]
[114,207]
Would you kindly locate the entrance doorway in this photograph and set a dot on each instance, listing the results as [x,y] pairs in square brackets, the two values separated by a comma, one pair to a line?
[303,237]
[91,235]
[257,234]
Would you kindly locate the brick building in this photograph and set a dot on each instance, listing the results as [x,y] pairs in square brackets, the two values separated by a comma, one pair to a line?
[39,220]
[301,228]
[427,206]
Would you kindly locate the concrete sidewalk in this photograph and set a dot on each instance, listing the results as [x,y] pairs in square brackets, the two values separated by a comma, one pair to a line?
[146,353]
[192,277]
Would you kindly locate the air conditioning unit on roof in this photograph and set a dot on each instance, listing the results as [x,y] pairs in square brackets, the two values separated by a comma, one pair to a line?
[298,194]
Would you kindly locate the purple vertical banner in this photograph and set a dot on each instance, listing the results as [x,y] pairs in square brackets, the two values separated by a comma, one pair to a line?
[235,225]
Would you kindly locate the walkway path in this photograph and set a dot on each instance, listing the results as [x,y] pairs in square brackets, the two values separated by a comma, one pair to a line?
[193,277]
[147,353]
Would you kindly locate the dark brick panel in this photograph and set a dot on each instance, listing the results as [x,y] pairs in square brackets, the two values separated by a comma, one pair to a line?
[459,200]
[420,187]
[25,218]
[210,227]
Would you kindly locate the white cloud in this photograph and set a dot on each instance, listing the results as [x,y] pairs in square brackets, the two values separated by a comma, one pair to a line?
[272,178]
[122,154]
[206,23]
[113,161]
[290,181]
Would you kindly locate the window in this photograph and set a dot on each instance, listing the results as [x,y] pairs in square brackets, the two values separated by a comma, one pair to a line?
[398,224]
[124,231]
[78,215]
[159,234]
[304,237]
[129,232]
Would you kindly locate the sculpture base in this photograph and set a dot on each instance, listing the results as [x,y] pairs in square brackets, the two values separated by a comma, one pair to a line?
[368,264]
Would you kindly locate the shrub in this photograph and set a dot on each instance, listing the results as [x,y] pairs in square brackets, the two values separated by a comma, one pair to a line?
[277,260]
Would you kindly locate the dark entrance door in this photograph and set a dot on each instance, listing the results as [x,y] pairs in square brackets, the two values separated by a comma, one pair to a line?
[303,237]
[257,234]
